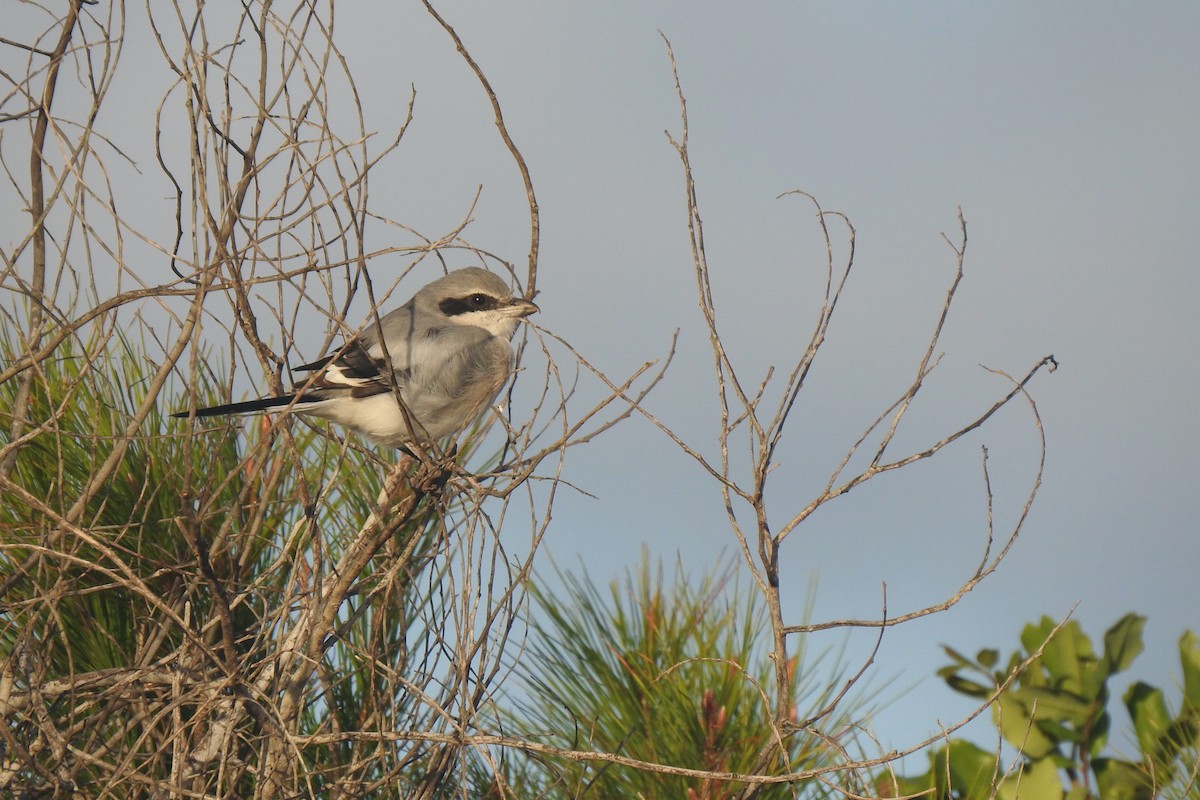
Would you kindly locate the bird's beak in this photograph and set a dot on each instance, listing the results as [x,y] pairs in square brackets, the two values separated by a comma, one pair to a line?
[520,307]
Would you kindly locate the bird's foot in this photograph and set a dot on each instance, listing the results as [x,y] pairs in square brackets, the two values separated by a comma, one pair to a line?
[430,476]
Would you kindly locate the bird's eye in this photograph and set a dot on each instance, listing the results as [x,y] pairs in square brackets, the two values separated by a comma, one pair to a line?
[479,300]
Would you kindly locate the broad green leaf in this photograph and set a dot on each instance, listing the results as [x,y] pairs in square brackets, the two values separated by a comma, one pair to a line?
[1035,634]
[958,658]
[1014,663]
[900,786]
[1038,781]
[1189,658]
[1149,713]
[1069,658]
[935,781]
[972,770]
[968,687]
[1018,730]
[1060,761]
[1067,734]
[1177,746]
[1120,780]
[988,657]
[1055,705]
[1123,642]
[1099,734]
[948,670]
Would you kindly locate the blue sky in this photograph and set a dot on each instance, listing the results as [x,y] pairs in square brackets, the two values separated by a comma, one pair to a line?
[1066,132]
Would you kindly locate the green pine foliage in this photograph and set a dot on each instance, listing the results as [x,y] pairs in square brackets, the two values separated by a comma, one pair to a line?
[668,671]
[109,575]
[108,618]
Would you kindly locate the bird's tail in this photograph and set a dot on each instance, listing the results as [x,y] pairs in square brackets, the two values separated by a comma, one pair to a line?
[245,407]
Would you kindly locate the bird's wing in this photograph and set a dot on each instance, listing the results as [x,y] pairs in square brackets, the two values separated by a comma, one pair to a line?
[359,369]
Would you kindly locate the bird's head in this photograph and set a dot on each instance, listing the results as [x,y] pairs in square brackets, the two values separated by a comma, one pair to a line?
[476,297]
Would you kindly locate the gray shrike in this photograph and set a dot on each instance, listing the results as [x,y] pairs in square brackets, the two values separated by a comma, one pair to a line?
[449,353]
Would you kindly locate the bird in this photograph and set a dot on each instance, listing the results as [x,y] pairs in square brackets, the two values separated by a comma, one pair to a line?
[445,353]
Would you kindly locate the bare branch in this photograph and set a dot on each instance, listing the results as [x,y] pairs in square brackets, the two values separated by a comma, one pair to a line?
[531,198]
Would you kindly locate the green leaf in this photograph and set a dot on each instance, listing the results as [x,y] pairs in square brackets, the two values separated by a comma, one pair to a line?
[1059,732]
[1189,657]
[948,670]
[1035,634]
[1038,781]
[888,785]
[972,770]
[958,658]
[1176,747]
[1150,715]
[1123,642]
[1055,705]
[932,782]
[1120,780]
[988,657]
[1012,717]
[968,687]
[1099,734]
[1071,662]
